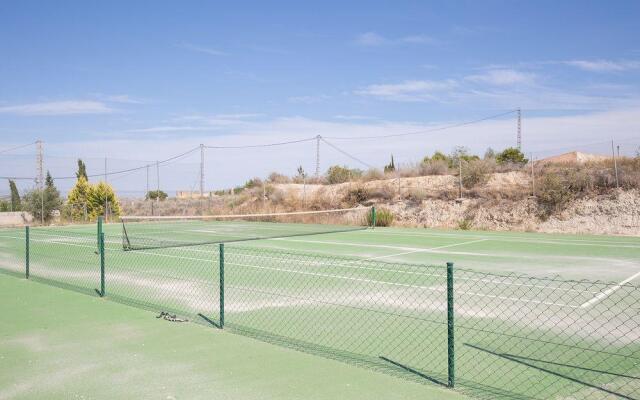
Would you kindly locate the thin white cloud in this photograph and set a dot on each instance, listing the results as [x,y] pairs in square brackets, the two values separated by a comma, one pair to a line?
[52,108]
[502,77]
[372,39]
[123,98]
[202,49]
[309,99]
[418,39]
[603,65]
[413,90]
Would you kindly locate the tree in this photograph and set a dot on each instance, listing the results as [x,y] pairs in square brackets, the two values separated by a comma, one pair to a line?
[102,200]
[77,199]
[82,170]
[15,196]
[153,195]
[511,155]
[4,205]
[42,203]
[391,166]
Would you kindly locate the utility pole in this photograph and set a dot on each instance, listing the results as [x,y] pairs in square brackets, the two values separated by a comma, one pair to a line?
[105,170]
[40,178]
[460,175]
[615,164]
[158,181]
[533,176]
[318,157]
[519,129]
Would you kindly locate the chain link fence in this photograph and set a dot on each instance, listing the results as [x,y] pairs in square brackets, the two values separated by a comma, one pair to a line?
[491,336]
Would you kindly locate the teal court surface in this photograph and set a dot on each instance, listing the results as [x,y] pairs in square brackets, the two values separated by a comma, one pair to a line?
[518,316]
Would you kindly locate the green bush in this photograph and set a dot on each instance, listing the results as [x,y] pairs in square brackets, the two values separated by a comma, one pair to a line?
[465,224]
[384,217]
[338,174]
[153,195]
[511,155]
[475,173]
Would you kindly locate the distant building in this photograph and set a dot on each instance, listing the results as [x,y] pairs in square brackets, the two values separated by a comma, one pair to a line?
[574,157]
[184,194]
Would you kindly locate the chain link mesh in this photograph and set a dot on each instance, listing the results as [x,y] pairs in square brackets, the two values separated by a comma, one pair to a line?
[516,336]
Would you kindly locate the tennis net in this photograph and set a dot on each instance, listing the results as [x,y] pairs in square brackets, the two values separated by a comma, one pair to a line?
[150,232]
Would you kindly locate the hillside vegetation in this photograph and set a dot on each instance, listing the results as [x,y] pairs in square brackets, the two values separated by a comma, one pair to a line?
[492,193]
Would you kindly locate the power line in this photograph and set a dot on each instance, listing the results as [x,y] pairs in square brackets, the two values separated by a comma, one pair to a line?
[262,145]
[345,153]
[17,147]
[420,132]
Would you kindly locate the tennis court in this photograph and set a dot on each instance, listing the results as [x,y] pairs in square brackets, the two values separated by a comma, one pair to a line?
[536,315]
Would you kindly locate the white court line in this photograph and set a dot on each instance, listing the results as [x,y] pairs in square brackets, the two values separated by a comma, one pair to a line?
[424,250]
[515,299]
[344,265]
[609,291]
[517,239]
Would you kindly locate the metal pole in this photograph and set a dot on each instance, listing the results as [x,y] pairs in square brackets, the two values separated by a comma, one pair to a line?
[26,233]
[373,217]
[102,289]
[450,328]
[105,170]
[158,181]
[99,230]
[147,193]
[460,175]
[304,191]
[615,164]
[221,256]
[318,157]
[201,170]
[533,176]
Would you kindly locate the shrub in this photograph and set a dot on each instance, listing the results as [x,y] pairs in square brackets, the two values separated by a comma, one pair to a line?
[373,174]
[254,182]
[338,174]
[356,196]
[434,167]
[155,194]
[553,194]
[476,172]
[465,224]
[511,155]
[384,217]
[275,177]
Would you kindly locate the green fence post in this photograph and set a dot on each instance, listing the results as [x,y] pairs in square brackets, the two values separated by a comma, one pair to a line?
[450,328]
[221,256]
[373,217]
[26,248]
[99,230]
[102,292]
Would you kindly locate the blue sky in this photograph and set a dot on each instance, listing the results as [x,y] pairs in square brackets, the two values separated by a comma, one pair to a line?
[148,80]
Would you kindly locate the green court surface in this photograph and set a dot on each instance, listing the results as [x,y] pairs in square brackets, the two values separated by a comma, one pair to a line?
[537,316]
[57,344]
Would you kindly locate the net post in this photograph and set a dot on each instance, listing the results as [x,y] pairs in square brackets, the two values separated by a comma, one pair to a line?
[450,328]
[221,257]
[102,289]
[26,252]
[373,217]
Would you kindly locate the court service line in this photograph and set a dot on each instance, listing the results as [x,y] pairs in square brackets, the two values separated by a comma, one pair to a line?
[517,239]
[423,250]
[609,291]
